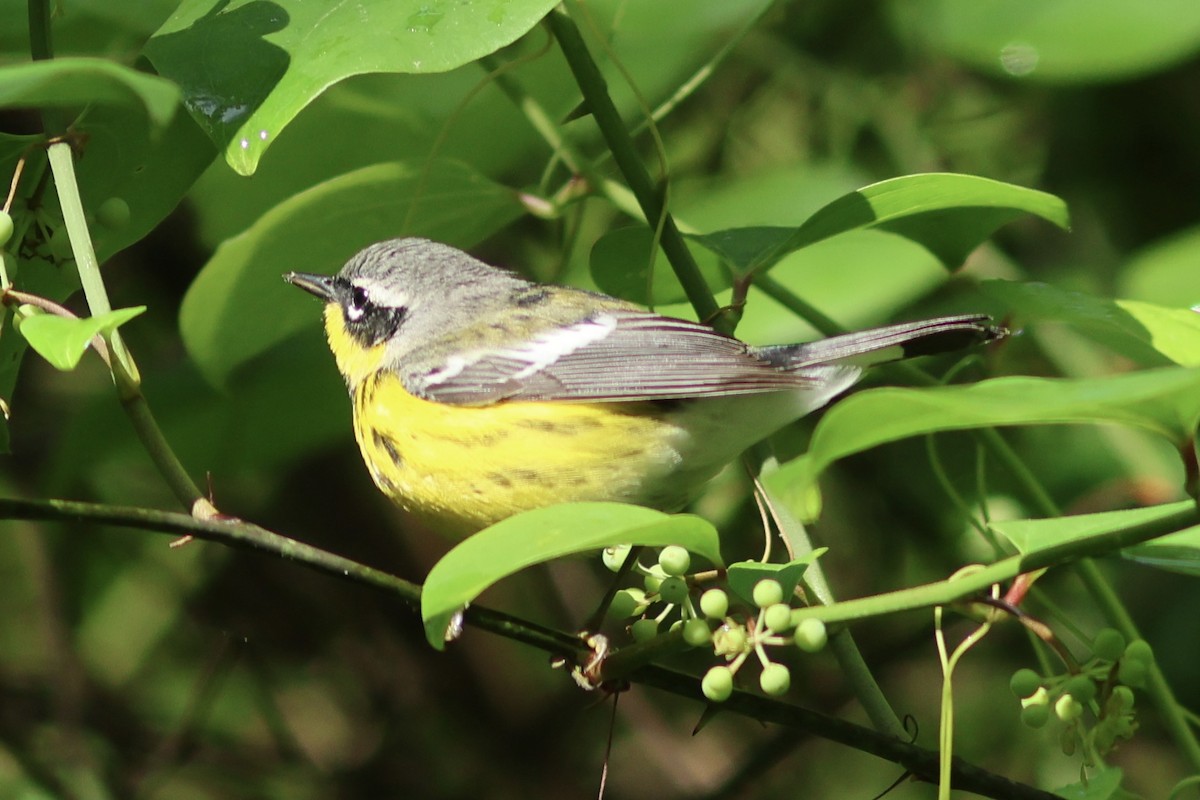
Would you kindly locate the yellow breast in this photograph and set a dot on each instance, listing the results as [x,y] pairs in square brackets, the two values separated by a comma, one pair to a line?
[465,467]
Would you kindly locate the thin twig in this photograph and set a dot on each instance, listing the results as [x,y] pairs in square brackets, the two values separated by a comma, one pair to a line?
[921,762]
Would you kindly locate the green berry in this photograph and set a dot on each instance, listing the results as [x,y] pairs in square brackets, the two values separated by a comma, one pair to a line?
[714,603]
[778,617]
[615,556]
[1024,682]
[1132,672]
[1139,650]
[1039,698]
[1082,688]
[654,578]
[113,213]
[717,684]
[696,632]
[644,630]
[6,227]
[628,603]
[1035,716]
[775,679]
[729,640]
[1108,645]
[675,560]
[810,635]
[673,590]
[1067,708]
[767,592]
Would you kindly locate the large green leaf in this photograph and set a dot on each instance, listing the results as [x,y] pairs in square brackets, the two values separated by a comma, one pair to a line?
[545,534]
[72,83]
[239,306]
[1149,334]
[132,144]
[1165,271]
[1163,401]
[247,67]
[150,171]
[1031,535]
[1055,40]
[628,263]
[947,214]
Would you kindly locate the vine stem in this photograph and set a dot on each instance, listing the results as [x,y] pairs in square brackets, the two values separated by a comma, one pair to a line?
[920,762]
[841,642]
[124,369]
[951,590]
[620,143]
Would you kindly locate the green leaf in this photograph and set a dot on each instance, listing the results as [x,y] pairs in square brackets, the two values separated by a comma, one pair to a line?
[1031,535]
[1176,552]
[247,68]
[72,83]
[150,171]
[1103,785]
[858,278]
[1164,401]
[239,306]
[1149,334]
[947,214]
[621,266]
[1165,272]
[62,341]
[545,534]
[1064,40]
[745,574]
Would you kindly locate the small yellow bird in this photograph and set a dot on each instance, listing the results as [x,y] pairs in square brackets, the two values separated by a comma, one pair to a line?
[478,394]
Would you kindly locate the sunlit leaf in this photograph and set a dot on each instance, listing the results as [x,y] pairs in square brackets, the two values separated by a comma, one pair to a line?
[247,68]
[72,83]
[946,213]
[745,574]
[1149,334]
[1164,401]
[1031,535]
[545,534]
[62,340]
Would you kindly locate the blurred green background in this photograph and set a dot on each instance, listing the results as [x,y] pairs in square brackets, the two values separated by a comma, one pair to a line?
[128,668]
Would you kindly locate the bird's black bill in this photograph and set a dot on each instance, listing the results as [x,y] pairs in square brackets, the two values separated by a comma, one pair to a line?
[318,285]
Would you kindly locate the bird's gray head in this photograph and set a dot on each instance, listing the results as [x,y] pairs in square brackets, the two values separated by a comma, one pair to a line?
[414,286]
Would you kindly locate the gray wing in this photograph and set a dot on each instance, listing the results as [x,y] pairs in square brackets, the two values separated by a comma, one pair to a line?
[613,356]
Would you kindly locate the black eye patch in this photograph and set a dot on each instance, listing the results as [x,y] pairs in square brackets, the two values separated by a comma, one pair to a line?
[358,304]
[370,323]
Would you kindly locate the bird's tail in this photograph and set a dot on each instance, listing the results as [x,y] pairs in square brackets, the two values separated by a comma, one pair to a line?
[889,343]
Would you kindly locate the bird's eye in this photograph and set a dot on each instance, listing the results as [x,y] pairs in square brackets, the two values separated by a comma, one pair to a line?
[358,304]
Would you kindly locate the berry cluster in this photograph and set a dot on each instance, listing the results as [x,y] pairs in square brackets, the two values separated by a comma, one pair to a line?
[112,214]
[733,633]
[1102,686]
